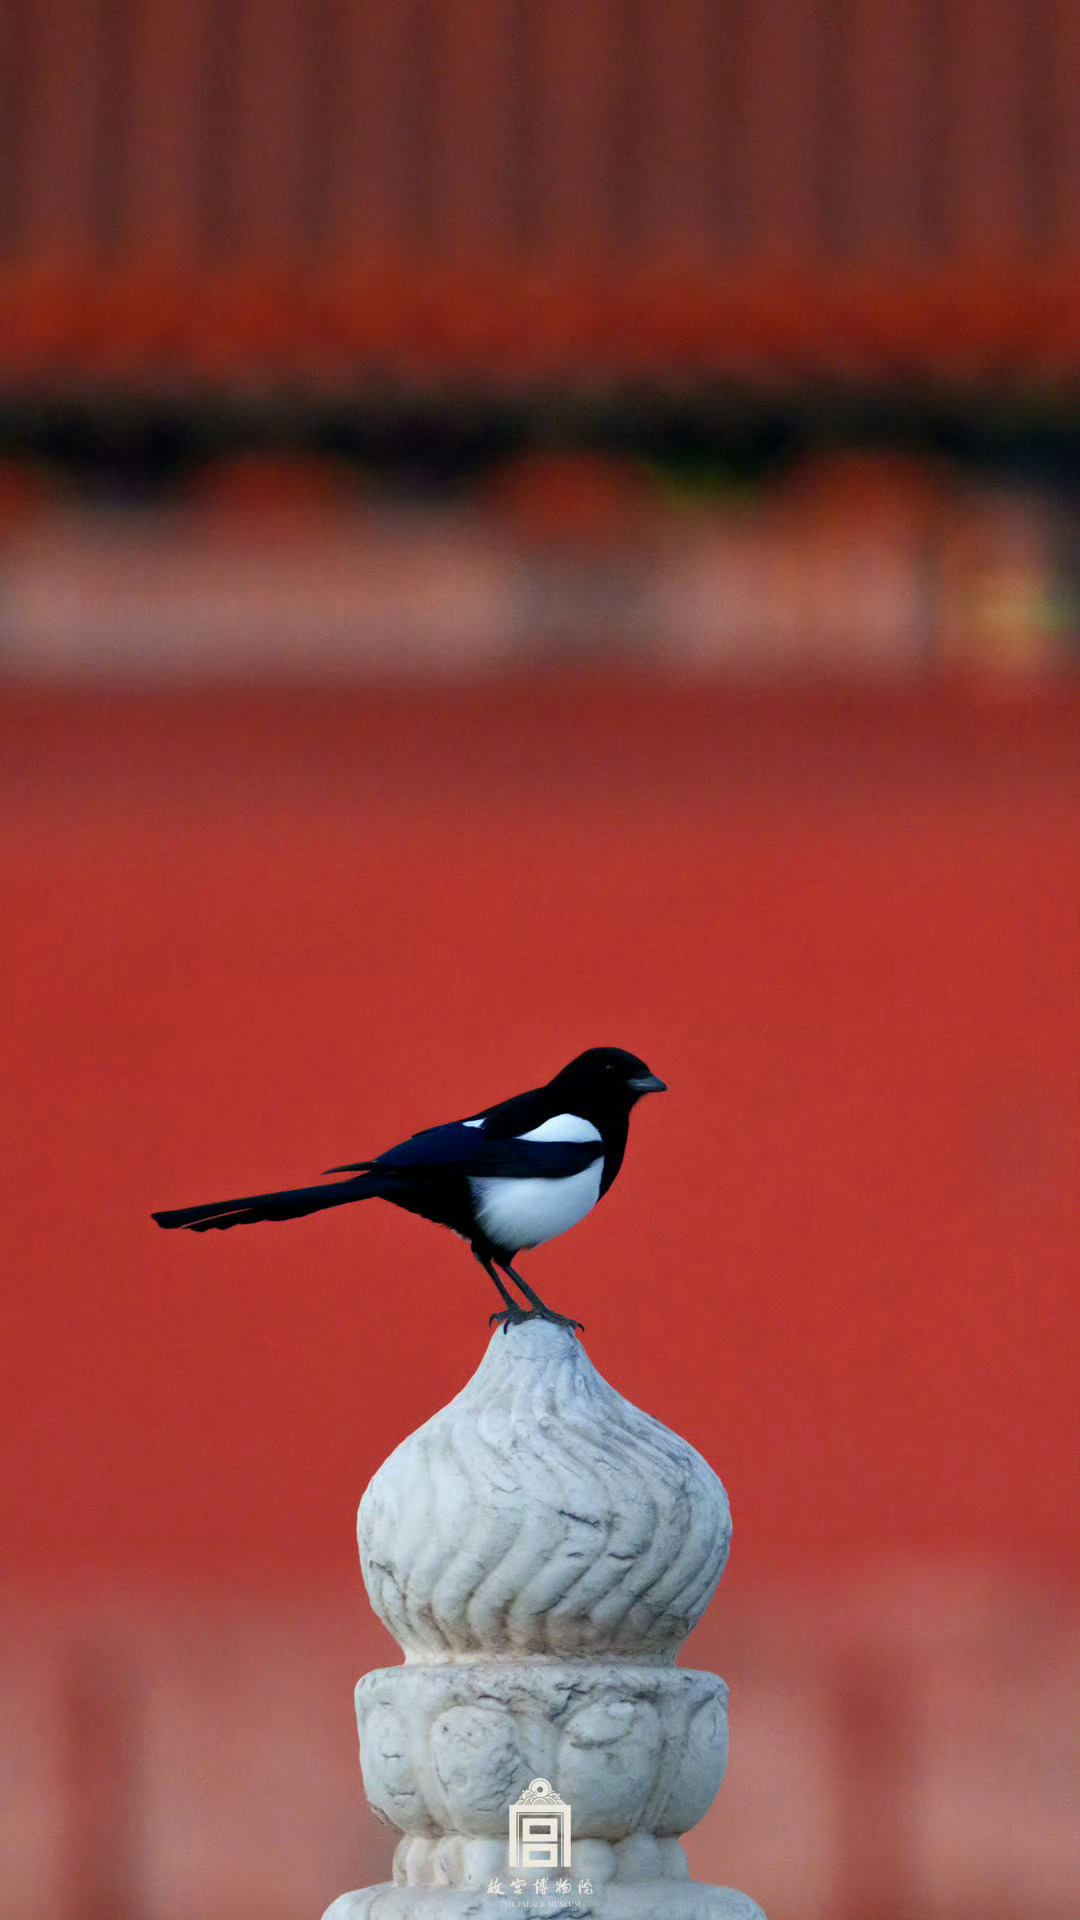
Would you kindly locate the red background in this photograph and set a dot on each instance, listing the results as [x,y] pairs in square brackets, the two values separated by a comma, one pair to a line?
[250,936]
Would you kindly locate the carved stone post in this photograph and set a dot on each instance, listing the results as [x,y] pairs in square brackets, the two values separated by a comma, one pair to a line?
[540,1549]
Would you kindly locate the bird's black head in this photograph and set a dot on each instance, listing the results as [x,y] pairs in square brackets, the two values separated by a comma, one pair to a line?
[605,1079]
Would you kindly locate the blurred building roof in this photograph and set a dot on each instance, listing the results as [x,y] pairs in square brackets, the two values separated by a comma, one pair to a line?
[507,192]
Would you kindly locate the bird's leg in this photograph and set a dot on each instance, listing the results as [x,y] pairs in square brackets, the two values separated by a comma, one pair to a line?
[512,1314]
[546,1313]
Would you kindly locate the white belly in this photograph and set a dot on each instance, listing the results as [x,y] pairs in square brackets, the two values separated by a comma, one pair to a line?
[525,1213]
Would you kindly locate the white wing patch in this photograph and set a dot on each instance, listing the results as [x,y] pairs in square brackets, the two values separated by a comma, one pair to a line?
[475,1123]
[563,1126]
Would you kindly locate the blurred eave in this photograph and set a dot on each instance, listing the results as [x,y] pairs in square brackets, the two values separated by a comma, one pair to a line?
[328,328]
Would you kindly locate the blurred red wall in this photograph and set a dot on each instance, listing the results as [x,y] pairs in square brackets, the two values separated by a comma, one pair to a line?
[248,937]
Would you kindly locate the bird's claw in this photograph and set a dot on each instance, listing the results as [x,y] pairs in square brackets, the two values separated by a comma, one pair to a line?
[509,1317]
[562,1319]
[516,1316]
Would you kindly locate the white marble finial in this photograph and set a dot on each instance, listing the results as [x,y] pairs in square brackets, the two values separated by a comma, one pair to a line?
[540,1513]
[540,1549]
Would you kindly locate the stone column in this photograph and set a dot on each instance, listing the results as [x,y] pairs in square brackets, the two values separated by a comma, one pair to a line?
[540,1549]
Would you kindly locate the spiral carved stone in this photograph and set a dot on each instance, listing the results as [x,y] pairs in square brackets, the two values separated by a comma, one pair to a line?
[540,1549]
[541,1514]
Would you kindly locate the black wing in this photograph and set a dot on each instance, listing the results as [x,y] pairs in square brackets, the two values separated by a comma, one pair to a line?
[472,1153]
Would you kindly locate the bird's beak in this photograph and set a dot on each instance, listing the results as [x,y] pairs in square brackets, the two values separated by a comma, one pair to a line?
[647,1083]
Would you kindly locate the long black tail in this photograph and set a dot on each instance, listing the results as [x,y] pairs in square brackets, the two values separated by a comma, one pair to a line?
[289,1205]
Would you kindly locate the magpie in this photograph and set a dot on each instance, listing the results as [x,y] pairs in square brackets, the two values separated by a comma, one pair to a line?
[507,1178]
